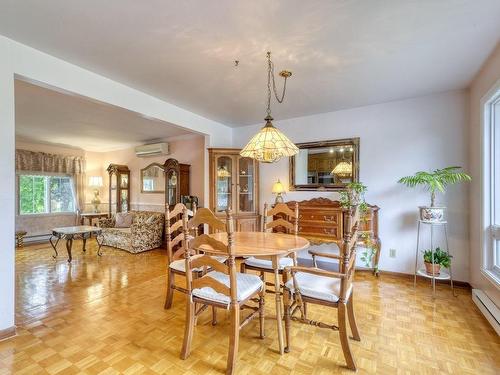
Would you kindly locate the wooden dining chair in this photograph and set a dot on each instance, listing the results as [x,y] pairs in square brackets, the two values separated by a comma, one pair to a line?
[174,236]
[282,219]
[327,288]
[223,288]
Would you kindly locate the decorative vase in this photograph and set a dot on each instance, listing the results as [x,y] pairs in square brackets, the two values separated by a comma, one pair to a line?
[432,269]
[432,214]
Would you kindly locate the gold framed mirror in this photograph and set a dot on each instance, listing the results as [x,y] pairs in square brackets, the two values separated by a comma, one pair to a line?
[325,165]
[152,179]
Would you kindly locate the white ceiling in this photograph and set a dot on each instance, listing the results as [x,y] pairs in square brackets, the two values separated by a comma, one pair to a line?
[342,54]
[48,116]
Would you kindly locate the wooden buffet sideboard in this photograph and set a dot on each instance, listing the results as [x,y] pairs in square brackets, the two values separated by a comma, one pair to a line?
[321,221]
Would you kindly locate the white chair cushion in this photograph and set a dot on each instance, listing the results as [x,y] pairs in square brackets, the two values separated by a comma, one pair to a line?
[319,287]
[180,264]
[264,263]
[247,285]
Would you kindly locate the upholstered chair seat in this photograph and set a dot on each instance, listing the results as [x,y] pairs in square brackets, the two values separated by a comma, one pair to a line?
[315,286]
[267,264]
[247,285]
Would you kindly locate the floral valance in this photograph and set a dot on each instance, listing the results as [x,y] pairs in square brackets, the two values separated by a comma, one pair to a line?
[42,162]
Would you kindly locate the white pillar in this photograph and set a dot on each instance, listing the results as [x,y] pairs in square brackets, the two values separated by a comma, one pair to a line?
[7,190]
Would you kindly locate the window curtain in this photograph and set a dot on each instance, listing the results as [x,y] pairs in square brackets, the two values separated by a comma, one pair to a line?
[50,163]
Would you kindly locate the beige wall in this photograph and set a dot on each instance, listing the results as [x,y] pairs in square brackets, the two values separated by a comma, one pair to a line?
[484,81]
[186,149]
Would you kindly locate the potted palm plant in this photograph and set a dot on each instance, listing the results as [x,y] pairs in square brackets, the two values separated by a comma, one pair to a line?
[435,181]
[436,259]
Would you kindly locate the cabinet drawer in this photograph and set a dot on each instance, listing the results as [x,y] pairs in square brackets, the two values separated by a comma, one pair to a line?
[323,216]
[307,229]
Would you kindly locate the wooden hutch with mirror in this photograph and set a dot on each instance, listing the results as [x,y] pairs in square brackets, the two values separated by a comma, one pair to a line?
[119,188]
[234,183]
[170,178]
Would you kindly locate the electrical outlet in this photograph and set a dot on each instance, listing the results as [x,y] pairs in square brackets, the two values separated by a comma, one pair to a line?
[392,253]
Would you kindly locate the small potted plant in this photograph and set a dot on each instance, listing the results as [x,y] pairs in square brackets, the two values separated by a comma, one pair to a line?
[434,262]
[435,181]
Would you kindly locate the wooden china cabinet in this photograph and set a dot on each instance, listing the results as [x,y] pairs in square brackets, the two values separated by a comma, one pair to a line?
[119,188]
[176,181]
[234,183]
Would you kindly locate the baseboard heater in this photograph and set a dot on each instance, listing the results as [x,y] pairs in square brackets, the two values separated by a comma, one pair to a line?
[490,311]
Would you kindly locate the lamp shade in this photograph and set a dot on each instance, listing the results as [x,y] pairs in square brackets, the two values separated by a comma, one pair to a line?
[278,188]
[342,169]
[95,181]
[269,145]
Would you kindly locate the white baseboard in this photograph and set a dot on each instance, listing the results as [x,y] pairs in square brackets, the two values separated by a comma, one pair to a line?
[490,311]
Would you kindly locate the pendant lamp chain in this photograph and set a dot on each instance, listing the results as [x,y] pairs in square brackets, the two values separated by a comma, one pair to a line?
[270,76]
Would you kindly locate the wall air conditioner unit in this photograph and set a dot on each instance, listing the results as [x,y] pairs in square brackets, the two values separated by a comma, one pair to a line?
[154,149]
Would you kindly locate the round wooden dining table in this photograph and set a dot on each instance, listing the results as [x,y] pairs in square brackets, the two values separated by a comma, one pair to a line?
[265,245]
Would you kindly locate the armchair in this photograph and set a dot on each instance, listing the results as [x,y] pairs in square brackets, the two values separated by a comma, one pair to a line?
[331,289]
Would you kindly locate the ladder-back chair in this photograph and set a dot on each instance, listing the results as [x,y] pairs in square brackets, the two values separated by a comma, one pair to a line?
[174,236]
[224,287]
[279,218]
[327,288]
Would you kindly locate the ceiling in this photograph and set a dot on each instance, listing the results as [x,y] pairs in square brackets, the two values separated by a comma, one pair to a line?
[343,54]
[52,117]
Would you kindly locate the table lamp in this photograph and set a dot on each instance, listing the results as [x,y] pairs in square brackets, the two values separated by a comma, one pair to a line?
[96,183]
[279,190]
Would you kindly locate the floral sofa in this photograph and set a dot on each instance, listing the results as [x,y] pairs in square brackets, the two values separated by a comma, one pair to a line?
[145,232]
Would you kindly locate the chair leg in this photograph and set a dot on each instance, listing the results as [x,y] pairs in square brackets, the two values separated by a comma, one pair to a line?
[243,267]
[189,328]
[214,315]
[352,320]
[262,302]
[286,304]
[234,338]
[304,306]
[170,289]
[344,341]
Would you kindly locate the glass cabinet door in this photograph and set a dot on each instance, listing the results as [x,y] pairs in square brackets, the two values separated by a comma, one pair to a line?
[224,184]
[114,193]
[172,187]
[245,188]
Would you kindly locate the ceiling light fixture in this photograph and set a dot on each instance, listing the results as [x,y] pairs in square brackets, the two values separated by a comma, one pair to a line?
[269,144]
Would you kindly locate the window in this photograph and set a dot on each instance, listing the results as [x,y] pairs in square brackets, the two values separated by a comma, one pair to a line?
[45,194]
[495,183]
[491,186]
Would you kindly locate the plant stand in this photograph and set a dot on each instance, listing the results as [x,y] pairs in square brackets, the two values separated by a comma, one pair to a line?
[443,275]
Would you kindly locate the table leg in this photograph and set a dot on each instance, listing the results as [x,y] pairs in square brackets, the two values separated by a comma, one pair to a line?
[277,283]
[99,243]
[84,239]
[69,245]
[54,246]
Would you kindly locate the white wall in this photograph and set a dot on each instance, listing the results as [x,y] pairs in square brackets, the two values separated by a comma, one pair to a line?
[397,139]
[485,79]
[27,63]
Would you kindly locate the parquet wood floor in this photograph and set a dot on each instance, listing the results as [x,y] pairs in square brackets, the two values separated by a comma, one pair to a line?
[105,316]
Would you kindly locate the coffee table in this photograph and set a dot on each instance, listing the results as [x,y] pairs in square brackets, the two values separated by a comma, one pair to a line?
[70,233]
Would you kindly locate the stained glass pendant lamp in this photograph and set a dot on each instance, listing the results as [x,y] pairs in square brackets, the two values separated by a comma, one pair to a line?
[269,144]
